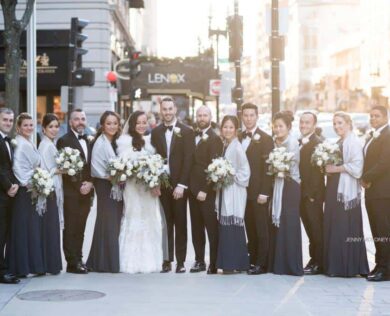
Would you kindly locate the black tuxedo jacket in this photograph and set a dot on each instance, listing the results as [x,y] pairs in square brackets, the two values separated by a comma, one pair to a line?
[377,166]
[312,179]
[257,153]
[7,177]
[72,187]
[205,152]
[181,151]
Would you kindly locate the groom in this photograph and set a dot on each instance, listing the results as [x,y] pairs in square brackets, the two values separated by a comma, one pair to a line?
[8,189]
[175,143]
[258,146]
[77,194]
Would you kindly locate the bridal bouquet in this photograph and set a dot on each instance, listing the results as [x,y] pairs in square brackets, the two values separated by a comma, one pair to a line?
[220,172]
[279,161]
[119,170]
[326,154]
[149,170]
[41,185]
[70,161]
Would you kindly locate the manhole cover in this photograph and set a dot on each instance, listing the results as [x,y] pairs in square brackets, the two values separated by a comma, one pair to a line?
[60,295]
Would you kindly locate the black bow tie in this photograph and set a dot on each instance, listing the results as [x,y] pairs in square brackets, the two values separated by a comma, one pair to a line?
[247,134]
[7,139]
[82,137]
[168,128]
[198,133]
[300,141]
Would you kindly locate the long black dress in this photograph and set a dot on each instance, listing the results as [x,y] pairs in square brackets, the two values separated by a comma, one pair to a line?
[26,245]
[51,237]
[104,254]
[343,256]
[286,240]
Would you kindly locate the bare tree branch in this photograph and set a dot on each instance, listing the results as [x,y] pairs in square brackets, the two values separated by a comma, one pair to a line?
[27,14]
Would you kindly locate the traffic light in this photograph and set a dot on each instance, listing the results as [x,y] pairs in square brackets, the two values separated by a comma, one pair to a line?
[235,31]
[80,76]
[135,63]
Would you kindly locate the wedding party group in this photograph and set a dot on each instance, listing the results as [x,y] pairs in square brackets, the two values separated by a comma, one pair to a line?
[247,192]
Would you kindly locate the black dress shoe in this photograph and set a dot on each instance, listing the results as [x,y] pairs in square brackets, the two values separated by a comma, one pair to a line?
[375,270]
[180,268]
[378,277]
[78,269]
[313,270]
[166,267]
[9,279]
[198,267]
[212,270]
[309,265]
[256,270]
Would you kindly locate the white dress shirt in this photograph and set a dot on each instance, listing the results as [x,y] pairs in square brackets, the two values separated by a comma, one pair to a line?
[247,141]
[7,144]
[83,144]
[380,129]
[198,138]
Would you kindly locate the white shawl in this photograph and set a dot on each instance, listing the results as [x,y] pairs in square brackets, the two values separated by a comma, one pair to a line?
[48,151]
[234,195]
[348,190]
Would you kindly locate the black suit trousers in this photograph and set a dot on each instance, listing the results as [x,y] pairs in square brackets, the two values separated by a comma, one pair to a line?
[5,223]
[176,217]
[76,210]
[203,216]
[257,223]
[378,211]
[312,214]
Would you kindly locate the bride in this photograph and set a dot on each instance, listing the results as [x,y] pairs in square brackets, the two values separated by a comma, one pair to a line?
[142,238]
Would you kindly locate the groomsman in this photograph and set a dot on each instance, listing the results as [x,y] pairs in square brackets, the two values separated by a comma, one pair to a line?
[78,191]
[376,181]
[312,192]
[8,189]
[202,196]
[258,146]
[175,143]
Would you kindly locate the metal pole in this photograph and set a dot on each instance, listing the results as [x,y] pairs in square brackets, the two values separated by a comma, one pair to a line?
[32,69]
[275,73]
[237,65]
[218,77]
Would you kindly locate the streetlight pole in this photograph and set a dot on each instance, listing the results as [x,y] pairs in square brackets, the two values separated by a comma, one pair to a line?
[275,73]
[217,33]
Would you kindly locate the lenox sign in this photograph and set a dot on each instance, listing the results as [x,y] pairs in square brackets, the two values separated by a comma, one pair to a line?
[172,78]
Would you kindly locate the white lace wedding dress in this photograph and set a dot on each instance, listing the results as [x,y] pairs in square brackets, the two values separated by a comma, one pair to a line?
[141,232]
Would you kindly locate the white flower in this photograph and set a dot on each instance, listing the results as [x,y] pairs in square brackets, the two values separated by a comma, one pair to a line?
[113,173]
[71,172]
[117,165]
[73,158]
[123,178]
[177,130]
[80,164]
[36,176]
[90,138]
[66,164]
[376,134]
[128,172]
[305,140]
[58,160]
[256,137]
[46,192]
[205,137]
[14,142]
[319,163]
[68,150]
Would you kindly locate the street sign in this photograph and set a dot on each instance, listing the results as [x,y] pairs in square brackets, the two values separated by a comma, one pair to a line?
[215,87]
[122,69]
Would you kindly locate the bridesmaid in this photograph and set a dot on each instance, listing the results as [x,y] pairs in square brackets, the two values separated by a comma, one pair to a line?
[344,246]
[26,246]
[286,240]
[230,203]
[104,254]
[54,215]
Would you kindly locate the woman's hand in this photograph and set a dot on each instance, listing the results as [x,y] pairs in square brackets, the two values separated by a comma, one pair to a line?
[156,191]
[333,169]
[59,171]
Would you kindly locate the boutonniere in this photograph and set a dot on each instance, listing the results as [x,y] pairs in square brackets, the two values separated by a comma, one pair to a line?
[204,137]
[256,138]
[14,142]
[372,134]
[90,138]
[305,140]
[177,131]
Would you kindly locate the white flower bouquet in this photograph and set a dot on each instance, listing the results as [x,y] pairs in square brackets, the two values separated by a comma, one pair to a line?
[41,185]
[326,154]
[220,172]
[149,170]
[279,162]
[69,161]
[119,171]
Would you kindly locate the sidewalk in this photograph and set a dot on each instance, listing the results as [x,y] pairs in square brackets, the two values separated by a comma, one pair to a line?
[201,294]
